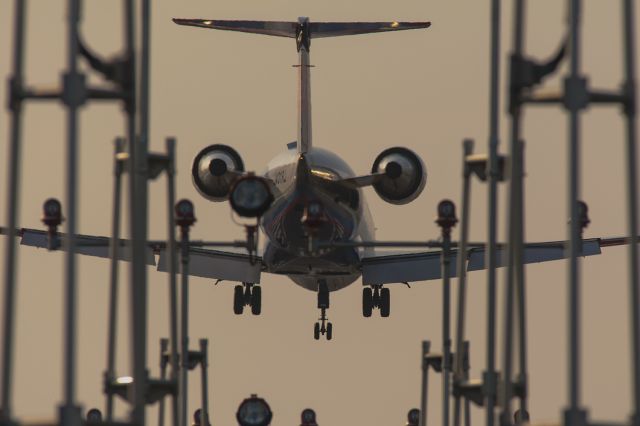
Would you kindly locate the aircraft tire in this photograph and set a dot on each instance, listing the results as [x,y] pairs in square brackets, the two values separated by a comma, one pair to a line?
[316,331]
[256,300]
[329,331]
[367,302]
[385,302]
[238,300]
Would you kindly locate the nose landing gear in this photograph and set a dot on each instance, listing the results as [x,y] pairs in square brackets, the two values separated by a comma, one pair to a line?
[376,297]
[247,294]
[323,326]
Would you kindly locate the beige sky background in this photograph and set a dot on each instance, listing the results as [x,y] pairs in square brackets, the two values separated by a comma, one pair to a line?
[426,90]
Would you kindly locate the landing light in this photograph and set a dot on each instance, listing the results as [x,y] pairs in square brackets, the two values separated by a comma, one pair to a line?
[124,380]
[254,411]
[250,196]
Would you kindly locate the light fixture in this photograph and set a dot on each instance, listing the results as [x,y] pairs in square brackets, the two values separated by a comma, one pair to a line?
[254,411]
[250,196]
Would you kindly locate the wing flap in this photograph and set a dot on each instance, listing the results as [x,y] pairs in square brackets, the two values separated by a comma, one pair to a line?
[219,265]
[404,268]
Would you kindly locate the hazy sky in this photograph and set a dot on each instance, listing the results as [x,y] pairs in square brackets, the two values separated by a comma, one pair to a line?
[426,90]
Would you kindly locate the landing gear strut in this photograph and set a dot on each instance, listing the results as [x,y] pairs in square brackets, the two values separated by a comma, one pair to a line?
[376,297]
[323,326]
[247,294]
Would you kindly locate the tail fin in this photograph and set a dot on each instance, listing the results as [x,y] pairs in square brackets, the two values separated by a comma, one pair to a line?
[291,29]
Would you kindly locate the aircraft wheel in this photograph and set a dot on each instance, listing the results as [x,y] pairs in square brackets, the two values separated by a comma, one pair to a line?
[329,331]
[256,300]
[385,302]
[367,302]
[238,299]
[316,331]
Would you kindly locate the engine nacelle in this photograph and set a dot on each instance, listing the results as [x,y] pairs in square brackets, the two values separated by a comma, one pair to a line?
[404,175]
[214,171]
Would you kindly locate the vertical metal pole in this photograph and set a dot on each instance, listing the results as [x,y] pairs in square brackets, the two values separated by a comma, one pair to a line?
[204,414]
[574,106]
[507,357]
[446,319]
[520,288]
[164,344]
[490,379]
[113,291]
[139,230]
[425,383]
[516,249]
[73,99]
[632,198]
[173,286]
[12,210]
[184,334]
[467,404]
[467,149]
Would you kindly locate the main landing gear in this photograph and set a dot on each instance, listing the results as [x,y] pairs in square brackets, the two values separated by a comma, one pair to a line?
[376,297]
[247,294]
[323,326]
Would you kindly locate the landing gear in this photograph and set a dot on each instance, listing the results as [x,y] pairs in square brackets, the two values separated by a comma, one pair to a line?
[323,326]
[376,297]
[247,294]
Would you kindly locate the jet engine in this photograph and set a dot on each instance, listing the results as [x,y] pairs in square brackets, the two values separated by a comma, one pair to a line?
[214,171]
[402,175]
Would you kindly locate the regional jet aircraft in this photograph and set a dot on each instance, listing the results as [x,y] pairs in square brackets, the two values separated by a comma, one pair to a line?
[314,195]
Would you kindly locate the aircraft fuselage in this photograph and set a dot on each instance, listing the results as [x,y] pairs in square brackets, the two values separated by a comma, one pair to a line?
[314,180]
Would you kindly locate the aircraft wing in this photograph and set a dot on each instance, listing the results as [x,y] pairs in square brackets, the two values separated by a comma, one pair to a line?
[424,266]
[87,245]
[205,263]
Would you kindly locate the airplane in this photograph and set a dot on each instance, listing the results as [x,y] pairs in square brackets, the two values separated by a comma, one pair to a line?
[311,202]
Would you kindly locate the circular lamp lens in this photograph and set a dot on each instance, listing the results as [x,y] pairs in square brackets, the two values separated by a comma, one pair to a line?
[184,208]
[308,416]
[254,411]
[52,207]
[94,416]
[250,197]
[414,416]
[446,208]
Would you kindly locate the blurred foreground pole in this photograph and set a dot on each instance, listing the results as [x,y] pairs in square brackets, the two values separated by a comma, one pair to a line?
[138,150]
[575,100]
[490,377]
[15,107]
[632,198]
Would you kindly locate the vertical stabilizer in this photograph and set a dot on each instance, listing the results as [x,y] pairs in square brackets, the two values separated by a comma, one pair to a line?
[303,31]
[303,41]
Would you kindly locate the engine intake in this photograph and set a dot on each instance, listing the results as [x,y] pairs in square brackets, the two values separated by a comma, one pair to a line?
[404,175]
[214,171]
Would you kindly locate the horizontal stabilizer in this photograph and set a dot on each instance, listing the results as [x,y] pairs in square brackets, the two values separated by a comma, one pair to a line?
[334,29]
[291,29]
[274,28]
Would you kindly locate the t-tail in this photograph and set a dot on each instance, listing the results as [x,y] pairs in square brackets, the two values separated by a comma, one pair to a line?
[303,31]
